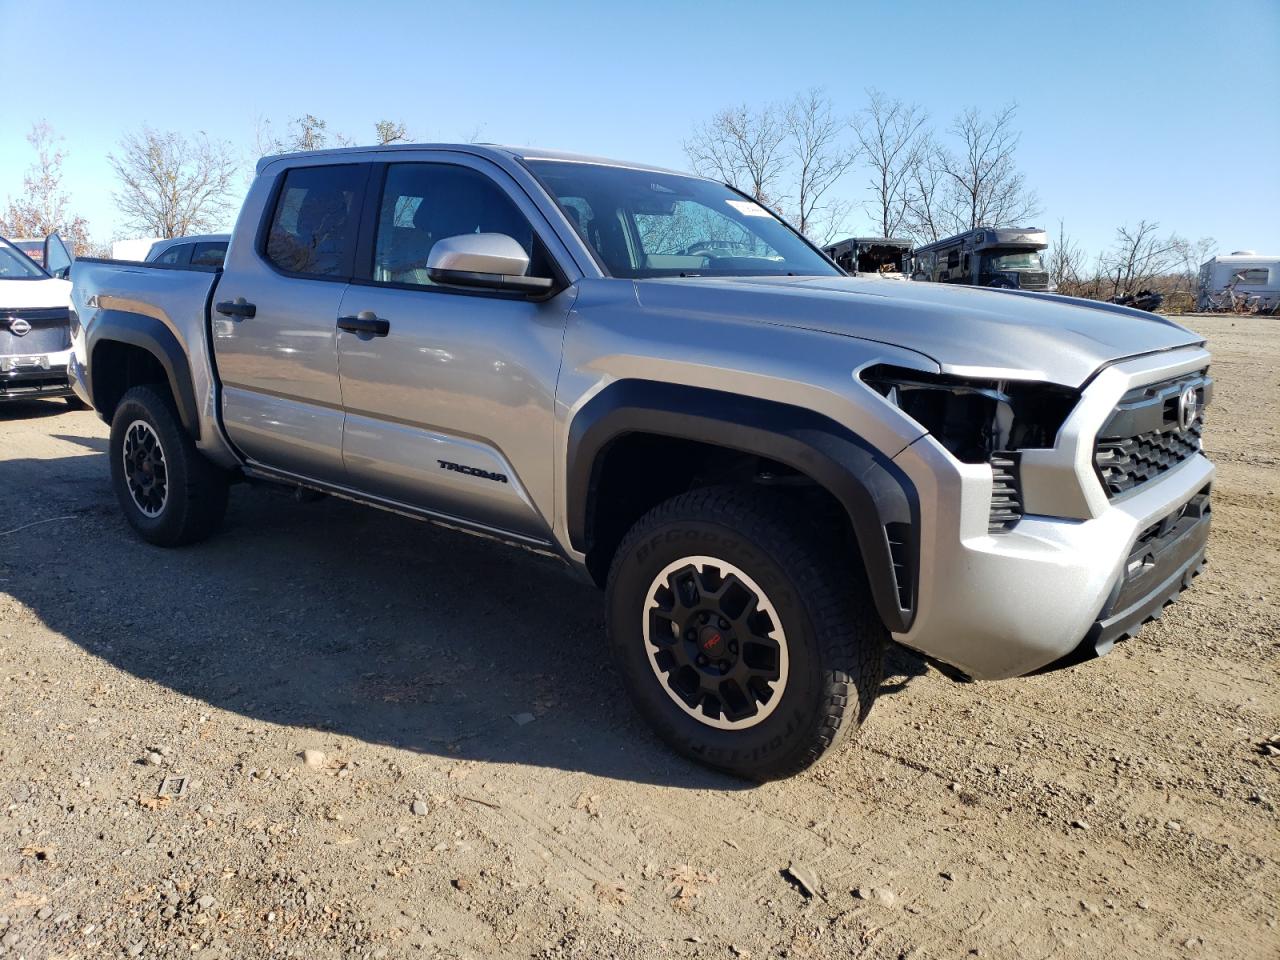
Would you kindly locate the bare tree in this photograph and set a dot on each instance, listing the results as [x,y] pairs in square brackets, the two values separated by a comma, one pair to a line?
[1139,257]
[44,208]
[821,159]
[265,140]
[1066,263]
[1190,257]
[308,133]
[927,217]
[744,148]
[893,136]
[171,186]
[391,131]
[986,188]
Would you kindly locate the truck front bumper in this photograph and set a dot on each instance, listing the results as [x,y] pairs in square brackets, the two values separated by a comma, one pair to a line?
[30,380]
[996,605]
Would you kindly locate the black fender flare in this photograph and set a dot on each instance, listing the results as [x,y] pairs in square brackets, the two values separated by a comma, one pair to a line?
[151,335]
[879,498]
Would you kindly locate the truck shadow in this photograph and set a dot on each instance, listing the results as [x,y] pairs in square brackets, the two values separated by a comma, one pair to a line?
[32,409]
[338,618]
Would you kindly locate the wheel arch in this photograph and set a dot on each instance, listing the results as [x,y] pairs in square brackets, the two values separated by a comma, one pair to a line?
[875,495]
[127,349]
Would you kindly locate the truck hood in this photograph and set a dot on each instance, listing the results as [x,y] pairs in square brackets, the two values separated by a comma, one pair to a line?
[50,292]
[965,330]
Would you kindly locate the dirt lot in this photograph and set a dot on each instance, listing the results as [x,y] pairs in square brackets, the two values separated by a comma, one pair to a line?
[485,791]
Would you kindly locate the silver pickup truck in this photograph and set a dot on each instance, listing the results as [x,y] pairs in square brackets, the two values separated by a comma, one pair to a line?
[772,468]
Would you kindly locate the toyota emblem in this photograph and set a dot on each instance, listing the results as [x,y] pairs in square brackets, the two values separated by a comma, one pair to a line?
[19,327]
[1188,407]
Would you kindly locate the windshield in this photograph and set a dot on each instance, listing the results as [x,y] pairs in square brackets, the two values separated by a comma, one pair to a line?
[1016,260]
[15,266]
[643,224]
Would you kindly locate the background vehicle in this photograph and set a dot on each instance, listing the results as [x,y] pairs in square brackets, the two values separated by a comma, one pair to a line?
[35,327]
[1242,279]
[771,467]
[134,249]
[207,250]
[1007,257]
[883,256]
[51,254]
[1144,299]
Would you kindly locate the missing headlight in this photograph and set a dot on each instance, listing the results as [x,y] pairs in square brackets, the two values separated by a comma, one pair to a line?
[974,418]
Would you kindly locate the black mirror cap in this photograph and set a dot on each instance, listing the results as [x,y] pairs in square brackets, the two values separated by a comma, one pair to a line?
[491,281]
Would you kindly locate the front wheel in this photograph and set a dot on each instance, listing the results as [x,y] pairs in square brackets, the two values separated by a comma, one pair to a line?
[749,645]
[170,494]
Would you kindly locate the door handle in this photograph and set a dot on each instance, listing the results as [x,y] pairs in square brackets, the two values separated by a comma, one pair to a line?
[237,308]
[365,322]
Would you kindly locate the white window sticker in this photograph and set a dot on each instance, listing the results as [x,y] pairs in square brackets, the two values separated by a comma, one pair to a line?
[748,208]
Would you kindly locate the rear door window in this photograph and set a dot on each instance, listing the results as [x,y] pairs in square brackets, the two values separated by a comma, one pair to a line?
[209,254]
[177,254]
[313,226]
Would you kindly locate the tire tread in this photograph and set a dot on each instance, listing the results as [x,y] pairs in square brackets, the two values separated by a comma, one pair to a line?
[834,593]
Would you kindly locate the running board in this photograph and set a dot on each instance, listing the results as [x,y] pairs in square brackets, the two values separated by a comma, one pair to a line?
[544,548]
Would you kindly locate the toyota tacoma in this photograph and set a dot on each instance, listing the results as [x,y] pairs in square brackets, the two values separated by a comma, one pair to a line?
[772,468]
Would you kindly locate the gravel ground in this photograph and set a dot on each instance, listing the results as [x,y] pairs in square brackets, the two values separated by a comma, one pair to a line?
[387,740]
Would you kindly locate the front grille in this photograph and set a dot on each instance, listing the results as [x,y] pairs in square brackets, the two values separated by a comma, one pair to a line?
[1033,280]
[1006,493]
[1144,435]
[50,330]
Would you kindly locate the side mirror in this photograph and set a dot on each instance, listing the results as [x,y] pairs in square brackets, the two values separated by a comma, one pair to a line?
[490,260]
[57,258]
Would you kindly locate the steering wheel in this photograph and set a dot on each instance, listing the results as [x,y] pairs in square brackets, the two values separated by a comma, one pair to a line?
[700,249]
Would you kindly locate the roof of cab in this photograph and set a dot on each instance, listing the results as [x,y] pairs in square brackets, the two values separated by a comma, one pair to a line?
[491,150]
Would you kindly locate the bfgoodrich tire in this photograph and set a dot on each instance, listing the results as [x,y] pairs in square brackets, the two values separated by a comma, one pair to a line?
[170,494]
[747,644]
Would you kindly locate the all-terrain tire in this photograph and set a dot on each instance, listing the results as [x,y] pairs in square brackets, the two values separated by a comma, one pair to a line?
[834,639]
[171,495]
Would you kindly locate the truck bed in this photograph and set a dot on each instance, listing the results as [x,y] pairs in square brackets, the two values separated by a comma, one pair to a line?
[109,292]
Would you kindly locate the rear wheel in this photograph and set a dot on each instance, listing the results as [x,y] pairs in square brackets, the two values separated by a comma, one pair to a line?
[170,494]
[746,643]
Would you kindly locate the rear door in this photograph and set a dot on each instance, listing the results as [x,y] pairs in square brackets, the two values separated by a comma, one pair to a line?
[450,409]
[273,321]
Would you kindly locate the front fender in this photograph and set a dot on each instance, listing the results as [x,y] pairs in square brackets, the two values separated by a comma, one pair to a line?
[878,496]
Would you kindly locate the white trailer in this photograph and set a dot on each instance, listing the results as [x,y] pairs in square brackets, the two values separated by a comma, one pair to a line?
[1242,279]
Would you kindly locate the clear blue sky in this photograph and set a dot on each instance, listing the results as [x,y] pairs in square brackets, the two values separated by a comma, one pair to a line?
[1162,109]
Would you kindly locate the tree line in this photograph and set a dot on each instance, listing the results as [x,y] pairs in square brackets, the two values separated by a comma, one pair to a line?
[911,179]
[887,165]
[167,184]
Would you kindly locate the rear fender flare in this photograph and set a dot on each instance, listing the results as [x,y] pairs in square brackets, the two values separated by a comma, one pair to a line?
[151,335]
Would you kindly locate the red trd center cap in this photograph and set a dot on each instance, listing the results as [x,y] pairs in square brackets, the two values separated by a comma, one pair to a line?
[713,642]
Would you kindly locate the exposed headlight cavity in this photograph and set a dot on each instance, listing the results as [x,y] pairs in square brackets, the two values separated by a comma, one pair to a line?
[975,419]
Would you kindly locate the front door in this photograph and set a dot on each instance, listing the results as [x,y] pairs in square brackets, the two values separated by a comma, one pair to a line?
[274,337]
[449,399]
